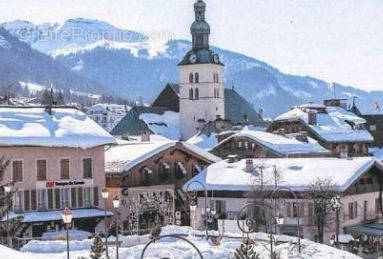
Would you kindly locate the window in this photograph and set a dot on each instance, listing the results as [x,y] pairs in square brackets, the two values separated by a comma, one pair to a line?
[87,167]
[365,206]
[196,77]
[26,200]
[240,144]
[17,170]
[191,94]
[64,168]
[352,210]
[50,199]
[220,207]
[41,199]
[191,78]
[216,78]
[196,94]
[87,196]
[65,197]
[372,127]
[41,170]
[18,205]
[295,209]
[163,169]
[377,206]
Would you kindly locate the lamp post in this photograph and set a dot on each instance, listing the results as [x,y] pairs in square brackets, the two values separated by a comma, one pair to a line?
[280,220]
[116,205]
[66,215]
[195,205]
[105,195]
[335,203]
[251,224]
[7,190]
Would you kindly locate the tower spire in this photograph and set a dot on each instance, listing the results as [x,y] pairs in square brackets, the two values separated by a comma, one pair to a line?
[200,29]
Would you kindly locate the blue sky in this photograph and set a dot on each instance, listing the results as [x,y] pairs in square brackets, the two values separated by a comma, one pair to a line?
[339,41]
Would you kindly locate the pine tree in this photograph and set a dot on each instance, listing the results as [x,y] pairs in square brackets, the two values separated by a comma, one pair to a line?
[97,248]
[246,251]
[60,98]
[45,98]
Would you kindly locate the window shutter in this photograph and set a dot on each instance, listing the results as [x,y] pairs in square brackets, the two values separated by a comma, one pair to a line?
[26,200]
[301,209]
[33,200]
[57,198]
[288,207]
[95,196]
[80,197]
[50,199]
[74,197]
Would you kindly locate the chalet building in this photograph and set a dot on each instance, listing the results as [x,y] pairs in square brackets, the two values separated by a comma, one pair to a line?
[148,174]
[259,144]
[107,115]
[374,124]
[56,160]
[231,184]
[331,124]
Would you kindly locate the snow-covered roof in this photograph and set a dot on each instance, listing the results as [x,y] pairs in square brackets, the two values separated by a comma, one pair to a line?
[203,141]
[332,125]
[106,107]
[279,143]
[66,127]
[296,173]
[166,124]
[125,156]
[377,152]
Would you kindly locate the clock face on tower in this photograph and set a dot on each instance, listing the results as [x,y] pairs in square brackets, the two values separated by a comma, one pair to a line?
[193,58]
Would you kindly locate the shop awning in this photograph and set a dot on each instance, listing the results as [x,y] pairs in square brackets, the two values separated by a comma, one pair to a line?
[42,216]
[372,229]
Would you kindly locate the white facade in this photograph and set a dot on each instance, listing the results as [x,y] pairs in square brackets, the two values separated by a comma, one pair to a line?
[201,96]
[107,115]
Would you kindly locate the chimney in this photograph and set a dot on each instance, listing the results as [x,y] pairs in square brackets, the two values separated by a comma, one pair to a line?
[249,166]
[312,116]
[145,136]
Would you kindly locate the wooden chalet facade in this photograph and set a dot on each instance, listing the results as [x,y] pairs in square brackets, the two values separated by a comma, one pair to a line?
[150,184]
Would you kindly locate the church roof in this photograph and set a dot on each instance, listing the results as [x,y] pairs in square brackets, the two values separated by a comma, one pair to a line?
[131,124]
[237,109]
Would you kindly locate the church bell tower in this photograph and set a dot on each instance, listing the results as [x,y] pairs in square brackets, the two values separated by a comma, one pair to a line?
[200,79]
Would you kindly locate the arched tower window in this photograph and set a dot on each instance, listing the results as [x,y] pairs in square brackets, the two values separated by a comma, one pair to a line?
[191,78]
[191,94]
[196,94]
[196,77]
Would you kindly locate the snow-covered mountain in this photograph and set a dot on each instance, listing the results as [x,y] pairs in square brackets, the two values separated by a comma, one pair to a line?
[131,64]
[20,63]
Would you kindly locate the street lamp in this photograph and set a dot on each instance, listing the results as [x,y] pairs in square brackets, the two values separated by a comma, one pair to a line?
[105,195]
[335,203]
[206,208]
[66,215]
[250,221]
[116,205]
[7,190]
[281,221]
